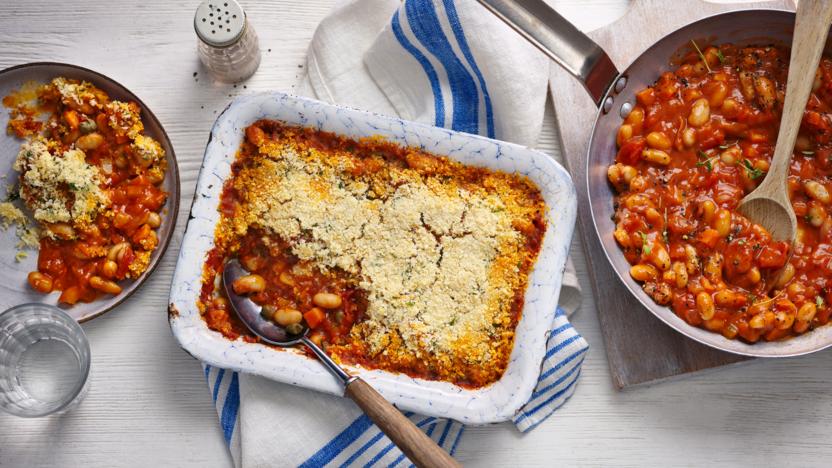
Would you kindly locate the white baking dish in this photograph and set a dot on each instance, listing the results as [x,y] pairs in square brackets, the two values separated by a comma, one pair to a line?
[494,403]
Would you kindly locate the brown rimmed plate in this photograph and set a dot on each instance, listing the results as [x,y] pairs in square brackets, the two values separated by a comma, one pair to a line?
[14,288]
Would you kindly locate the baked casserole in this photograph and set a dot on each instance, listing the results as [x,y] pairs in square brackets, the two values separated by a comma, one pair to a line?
[395,258]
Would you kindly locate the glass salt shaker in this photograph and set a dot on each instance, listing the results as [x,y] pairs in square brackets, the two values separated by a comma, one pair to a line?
[228,45]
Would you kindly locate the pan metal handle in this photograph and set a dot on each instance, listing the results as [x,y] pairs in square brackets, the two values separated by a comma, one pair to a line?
[560,40]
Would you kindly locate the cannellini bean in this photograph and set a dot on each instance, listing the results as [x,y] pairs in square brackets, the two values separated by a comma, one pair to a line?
[653,216]
[708,211]
[615,176]
[722,222]
[747,85]
[730,331]
[786,275]
[643,272]
[705,305]
[817,191]
[659,257]
[638,183]
[816,215]
[731,155]
[624,133]
[621,237]
[692,261]
[116,252]
[89,141]
[766,92]
[728,298]
[635,117]
[757,322]
[99,283]
[658,140]
[783,320]
[40,282]
[717,94]
[700,113]
[108,268]
[753,275]
[286,278]
[71,118]
[286,317]
[714,324]
[249,284]
[656,156]
[689,137]
[713,268]
[154,220]
[327,300]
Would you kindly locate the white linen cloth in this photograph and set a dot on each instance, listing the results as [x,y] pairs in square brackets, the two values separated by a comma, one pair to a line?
[445,62]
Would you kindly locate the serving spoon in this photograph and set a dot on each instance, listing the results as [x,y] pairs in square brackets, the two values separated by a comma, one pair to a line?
[418,447]
[769,205]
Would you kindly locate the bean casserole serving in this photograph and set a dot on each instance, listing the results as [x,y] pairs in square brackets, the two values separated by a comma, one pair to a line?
[395,258]
[91,180]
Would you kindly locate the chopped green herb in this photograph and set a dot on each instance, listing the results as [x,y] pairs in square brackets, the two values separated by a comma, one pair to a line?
[701,55]
[753,172]
[705,161]
[720,56]
[645,246]
[819,301]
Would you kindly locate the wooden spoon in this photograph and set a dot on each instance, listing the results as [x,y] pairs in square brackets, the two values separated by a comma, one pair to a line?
[769,205]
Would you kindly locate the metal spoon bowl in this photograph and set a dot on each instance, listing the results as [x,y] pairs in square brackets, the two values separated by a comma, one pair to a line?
[418,447]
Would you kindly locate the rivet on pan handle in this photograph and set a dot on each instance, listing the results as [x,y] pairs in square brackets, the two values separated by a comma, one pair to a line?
[560,40]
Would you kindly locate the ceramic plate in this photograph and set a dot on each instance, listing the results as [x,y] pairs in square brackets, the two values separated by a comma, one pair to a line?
[496,402]
[14,288]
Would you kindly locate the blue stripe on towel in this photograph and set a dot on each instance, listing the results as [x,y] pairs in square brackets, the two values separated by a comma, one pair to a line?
[390,446]
[459,34]
[217,383]
[528,413]
[229,410]
[423,21]
[339,443]
[558,366]
[438,101]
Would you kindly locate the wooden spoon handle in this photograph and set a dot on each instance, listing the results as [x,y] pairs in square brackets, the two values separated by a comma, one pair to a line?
[809,40]
[418,447]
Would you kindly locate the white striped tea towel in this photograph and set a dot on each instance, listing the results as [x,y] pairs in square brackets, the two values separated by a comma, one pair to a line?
[445,62]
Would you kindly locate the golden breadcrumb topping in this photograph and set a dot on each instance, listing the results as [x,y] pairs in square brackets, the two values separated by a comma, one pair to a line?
[442,250]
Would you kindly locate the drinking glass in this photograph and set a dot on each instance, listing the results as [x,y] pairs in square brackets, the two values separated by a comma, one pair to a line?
[44,361]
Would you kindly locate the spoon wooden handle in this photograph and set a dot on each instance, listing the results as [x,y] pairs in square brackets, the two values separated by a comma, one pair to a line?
[418,447]
[809,40]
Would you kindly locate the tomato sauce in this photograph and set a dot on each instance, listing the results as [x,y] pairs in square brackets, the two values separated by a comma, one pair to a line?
[695,144]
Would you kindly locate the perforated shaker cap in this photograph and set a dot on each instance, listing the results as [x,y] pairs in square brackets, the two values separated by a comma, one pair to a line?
[219,23]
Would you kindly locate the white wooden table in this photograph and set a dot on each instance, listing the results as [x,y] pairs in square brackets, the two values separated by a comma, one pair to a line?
[149,405]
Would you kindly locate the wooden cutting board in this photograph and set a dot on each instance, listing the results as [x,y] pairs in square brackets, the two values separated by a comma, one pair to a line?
[640,348]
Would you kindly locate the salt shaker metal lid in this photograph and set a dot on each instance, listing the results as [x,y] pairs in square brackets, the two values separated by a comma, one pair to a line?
[219,23]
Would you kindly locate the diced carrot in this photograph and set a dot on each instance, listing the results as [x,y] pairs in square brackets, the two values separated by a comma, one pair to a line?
[314,317]
[708,237]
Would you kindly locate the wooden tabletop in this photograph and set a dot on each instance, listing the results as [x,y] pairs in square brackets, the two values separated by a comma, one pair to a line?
[148,404]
